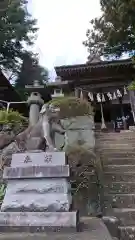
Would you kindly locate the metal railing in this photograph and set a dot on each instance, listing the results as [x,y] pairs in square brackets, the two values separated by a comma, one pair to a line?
[9,103]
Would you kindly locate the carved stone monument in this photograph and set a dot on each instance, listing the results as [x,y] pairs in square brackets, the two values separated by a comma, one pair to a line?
[38,196]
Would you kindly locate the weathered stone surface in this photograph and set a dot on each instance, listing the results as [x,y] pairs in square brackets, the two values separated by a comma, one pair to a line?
[35,202]
[119,161]
[118,187]
[79,129]
[125,215]
[117,177]
[45,219]
[80,122]
[39,158]
[117,153]
[120,168]
[36,172]
[94,229]
[35,143]
[6,154]
[127,232]
[38,186]
[5,139]
[86,137]
[112,224]
[119,201]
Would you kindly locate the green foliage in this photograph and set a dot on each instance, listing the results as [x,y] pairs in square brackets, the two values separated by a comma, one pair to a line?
[81,162]
[72,107]
[131,87]
[30,71]
[2,192]
[12,117]
[17,28]
[113,32]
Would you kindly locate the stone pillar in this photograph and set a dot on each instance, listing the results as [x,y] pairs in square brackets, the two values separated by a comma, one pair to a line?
[35,102]
[103,126]
[77,92]
[122,114]
[132,102]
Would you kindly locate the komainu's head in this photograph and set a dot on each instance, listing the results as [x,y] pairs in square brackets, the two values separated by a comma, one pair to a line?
[50,110]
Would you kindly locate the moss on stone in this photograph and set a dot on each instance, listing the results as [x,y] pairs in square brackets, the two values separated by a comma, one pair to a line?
[72,107]
[81,162]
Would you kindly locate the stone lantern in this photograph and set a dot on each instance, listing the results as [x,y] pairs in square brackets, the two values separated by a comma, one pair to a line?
[34,101]
[57,91]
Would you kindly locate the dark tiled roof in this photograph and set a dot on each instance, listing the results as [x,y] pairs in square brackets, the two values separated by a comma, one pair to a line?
[87,66]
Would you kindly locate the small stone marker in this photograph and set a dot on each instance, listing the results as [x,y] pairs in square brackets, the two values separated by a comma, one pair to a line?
[38,193]
[38,158]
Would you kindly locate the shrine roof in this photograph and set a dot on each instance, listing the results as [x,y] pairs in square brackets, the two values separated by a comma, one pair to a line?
[8,93]
[68,70]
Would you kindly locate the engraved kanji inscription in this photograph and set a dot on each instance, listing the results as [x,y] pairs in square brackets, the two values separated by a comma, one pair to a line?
[48,158]
[27,159]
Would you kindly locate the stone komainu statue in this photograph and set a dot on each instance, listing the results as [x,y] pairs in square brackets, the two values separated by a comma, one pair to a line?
[44,131]
[48,124]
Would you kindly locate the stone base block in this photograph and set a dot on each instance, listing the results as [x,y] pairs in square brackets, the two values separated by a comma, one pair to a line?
[36,172]
[50,202]
[38,222]
[38,186]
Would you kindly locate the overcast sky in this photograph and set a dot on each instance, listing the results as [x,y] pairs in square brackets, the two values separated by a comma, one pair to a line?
[62,28]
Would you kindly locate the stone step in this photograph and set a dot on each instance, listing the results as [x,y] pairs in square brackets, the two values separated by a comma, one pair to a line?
[115,153]
[116,135]
[119,168]
[116,143]
[116,146]
[118,161]
[92,228]
[127,232]
[110,177]
[87,235]
[38,221]
[117,140]
[105,149]
[119,201]
[119,187]
[125,215]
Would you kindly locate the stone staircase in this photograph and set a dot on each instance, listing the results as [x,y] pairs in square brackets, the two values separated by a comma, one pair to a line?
[117,154]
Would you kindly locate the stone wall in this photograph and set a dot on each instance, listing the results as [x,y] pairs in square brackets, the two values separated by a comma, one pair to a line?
[80,131]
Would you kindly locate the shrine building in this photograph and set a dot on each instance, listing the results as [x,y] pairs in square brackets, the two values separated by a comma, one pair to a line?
[104,84]
[9,94]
